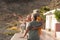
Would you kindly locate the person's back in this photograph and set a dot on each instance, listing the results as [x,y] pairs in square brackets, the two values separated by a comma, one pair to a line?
[33,34]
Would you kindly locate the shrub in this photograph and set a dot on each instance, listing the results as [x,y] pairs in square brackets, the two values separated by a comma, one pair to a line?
[57,15]
[44,9]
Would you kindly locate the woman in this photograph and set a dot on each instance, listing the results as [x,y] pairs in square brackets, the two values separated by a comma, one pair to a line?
[33,28]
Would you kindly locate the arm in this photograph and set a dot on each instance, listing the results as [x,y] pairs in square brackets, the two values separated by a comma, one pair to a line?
[26,33]
[31,29]
[34,28]
[37,27]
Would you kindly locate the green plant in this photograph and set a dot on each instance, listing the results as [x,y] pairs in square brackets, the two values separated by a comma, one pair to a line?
[44,9]
[57,15]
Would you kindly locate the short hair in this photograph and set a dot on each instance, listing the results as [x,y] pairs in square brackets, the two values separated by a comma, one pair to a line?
[36,15]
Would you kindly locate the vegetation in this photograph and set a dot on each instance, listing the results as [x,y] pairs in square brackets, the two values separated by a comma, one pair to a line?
[11,31]
[57,15]
[43,10]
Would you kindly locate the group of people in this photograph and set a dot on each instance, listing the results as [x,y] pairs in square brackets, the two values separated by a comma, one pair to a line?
[32,27]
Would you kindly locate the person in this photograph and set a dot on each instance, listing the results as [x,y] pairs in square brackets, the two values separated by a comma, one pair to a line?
[28,20]
[39,19]
[32,29]
[22,26]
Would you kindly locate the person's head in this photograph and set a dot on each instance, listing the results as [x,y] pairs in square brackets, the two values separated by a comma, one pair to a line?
[35,16]
[28,18]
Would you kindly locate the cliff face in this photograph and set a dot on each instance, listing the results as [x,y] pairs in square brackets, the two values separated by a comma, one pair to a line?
[18,7]
[21,6]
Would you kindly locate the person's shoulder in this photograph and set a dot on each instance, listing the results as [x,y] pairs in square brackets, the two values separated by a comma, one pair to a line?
[32,21]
